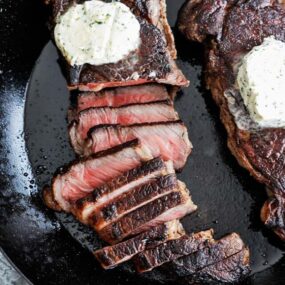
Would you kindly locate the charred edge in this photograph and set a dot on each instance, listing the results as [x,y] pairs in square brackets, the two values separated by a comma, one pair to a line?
[215,252]
[147,261]
[111,256]
[237,268]
[173,249]
[49,200]
[130,144]
[160,185]
[98,127]
[104,258]
[146,167]
[115,232]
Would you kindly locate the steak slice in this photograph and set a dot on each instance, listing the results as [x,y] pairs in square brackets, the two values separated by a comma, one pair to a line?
[175,205]
[124,183]
[230,270]
[129,201]
[112,256]
[81,177]
[152,62]
[168,140]
[126,115]
[236,27]
[171,250]
[117,97]
[215,252]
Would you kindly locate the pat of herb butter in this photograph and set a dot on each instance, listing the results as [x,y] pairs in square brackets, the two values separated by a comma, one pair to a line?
[97,33]
[261,81]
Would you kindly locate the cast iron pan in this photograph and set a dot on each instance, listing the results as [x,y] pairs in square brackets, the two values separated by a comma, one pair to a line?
[51,248]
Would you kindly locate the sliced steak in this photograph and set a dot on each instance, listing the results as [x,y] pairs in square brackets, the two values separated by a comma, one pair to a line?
[152,62]
[230,270]
[168,140]
[111,256]
[117,97]
[127,115]
[124,183]
[171,250]
[171,206]
[132,200]
[213,253]
[81,177]
[234,28]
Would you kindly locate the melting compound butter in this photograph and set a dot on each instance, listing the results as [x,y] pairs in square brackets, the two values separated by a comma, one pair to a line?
[97,33]
[261,82]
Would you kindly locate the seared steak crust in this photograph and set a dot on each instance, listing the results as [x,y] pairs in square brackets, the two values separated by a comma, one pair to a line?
[153,213]
[239,26]
[171,250]
[230,270]
[152,58]
[205,18]
[148,170]
[133,199]
[222,261]
[112,256]
[199,258]
[153,62]
[216,251]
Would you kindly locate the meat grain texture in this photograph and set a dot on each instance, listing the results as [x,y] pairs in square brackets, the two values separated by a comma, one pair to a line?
[168,140]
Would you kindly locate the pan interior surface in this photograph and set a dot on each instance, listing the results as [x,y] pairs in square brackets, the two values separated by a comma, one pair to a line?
[54,248]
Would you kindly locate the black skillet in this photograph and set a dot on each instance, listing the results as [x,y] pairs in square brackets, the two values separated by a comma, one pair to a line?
[54,249]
